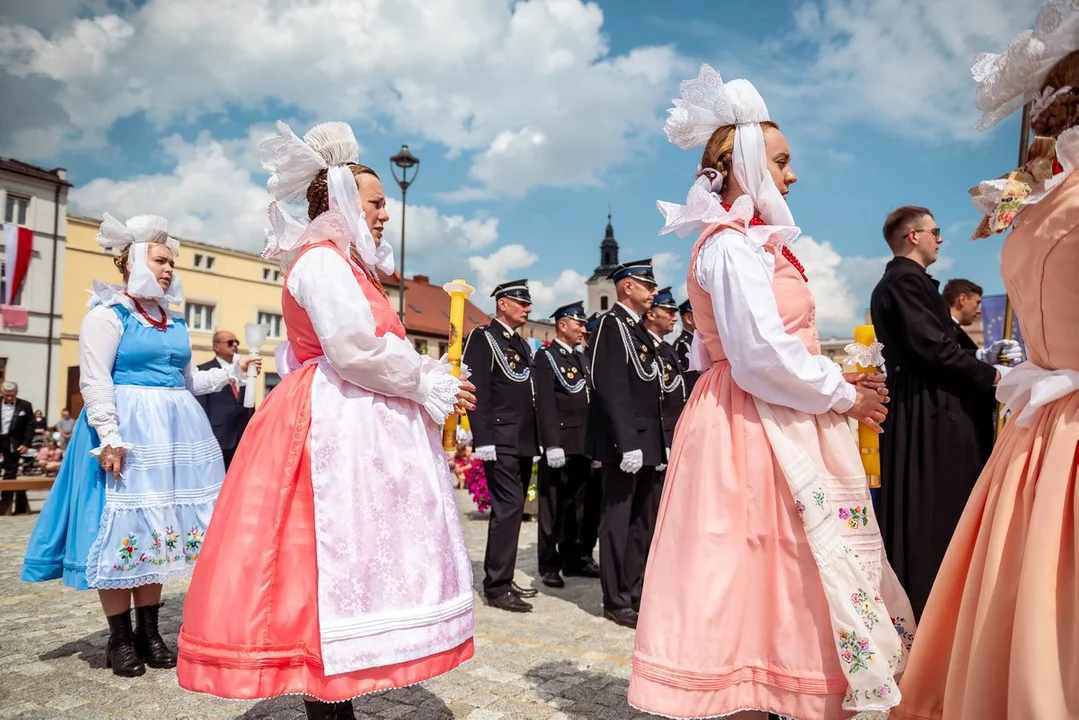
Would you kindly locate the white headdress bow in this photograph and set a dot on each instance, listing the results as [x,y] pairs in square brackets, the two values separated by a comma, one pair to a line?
[1009,80]
[707,103]
[294,163]
[138,233]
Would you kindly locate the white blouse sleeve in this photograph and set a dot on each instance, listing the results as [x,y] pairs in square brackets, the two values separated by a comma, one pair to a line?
[204,382]
[99,337]
[322,284]
[765,361]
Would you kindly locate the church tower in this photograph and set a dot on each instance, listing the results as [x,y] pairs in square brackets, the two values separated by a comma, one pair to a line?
[601,290]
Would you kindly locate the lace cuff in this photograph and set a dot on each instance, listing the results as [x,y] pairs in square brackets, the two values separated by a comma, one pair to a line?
[437,392]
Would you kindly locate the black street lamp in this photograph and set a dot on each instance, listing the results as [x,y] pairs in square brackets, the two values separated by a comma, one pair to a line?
[405,161]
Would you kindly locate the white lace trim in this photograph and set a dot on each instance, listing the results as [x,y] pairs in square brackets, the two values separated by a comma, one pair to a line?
[438,393]
[103,293]
[1008,80]
[287,235]
[704,208]
[708,103]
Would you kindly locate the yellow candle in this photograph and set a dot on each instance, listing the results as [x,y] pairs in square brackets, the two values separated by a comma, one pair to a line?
[458,291]
[868,439]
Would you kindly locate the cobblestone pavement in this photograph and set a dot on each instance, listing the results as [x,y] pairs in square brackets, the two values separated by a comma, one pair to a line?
[560,661]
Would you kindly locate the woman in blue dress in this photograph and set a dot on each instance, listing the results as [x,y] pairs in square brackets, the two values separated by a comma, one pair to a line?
[130,506]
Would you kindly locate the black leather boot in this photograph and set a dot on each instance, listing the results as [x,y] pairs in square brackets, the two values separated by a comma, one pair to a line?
[120,653]
[318,710]
[149,644]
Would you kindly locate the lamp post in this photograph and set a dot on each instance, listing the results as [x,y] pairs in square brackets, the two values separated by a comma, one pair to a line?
[404,161]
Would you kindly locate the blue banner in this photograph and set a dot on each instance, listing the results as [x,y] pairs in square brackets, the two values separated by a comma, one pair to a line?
[993,321]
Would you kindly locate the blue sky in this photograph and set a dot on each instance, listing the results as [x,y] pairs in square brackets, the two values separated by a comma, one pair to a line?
[530,119]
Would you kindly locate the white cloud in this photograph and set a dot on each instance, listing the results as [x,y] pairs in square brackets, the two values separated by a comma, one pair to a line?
[498,267]
[547,297]
[901,64]
[528,89]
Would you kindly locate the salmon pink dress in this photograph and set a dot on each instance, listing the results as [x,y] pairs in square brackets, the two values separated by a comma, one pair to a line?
[767,588]
[1000,635]
[334,564]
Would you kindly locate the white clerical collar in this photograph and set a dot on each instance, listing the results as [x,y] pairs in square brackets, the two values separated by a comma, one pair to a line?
[511,330]
[559,341]
[632,314]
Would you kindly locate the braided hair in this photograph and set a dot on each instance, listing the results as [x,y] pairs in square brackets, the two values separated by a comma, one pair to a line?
[1062,113]
[719,150]
[318,192]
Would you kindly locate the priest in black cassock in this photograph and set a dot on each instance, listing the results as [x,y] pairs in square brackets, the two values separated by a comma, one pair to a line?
[964,300]
[930,454]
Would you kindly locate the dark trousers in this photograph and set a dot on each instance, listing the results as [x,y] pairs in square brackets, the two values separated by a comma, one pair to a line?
[226,455]
[9,469]
[558,490]
[646,509]
[621,554]
[589,506]
[507,480]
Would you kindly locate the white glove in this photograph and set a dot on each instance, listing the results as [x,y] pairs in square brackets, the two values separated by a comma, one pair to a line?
[596,464]
[663,466]
[556,457]
[1001,350]
[632,461]
[486,453]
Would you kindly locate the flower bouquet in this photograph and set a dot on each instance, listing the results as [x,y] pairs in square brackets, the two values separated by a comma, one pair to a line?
[476,483]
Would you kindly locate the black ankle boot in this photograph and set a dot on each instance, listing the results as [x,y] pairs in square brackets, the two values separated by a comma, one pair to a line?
[149,644]
[120,653]
[318,710]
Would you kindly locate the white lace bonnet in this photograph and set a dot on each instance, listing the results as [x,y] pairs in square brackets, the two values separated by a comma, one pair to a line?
[706,104]
[293,164]
[137,233]
[1009,80]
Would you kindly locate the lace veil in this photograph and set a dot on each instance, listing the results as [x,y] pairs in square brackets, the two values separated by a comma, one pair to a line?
[137,234]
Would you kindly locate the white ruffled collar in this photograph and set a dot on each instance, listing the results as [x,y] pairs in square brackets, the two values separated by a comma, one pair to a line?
[107,295]
[288,235]
[704,208]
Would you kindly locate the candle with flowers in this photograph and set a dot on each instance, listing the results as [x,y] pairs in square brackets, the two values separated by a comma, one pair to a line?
[865,355]
[458,290]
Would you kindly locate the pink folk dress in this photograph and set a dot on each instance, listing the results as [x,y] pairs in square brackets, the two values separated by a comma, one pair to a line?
[334,564]
[999,638]
[767,587]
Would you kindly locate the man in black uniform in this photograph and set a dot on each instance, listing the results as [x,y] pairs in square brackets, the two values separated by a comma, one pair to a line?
[562,397]
[626,432]
[683,343]
[588,502]
[504,435]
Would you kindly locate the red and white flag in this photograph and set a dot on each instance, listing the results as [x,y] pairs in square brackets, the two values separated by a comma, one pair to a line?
[18,247]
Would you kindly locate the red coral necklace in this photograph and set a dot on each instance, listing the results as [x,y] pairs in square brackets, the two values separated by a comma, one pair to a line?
[158,324]
[787,252]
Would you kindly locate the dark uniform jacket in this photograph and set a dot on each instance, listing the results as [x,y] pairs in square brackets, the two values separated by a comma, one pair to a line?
[674,389]
[562,398]
[682,345]
[625,413]
[501,364]
[226,412]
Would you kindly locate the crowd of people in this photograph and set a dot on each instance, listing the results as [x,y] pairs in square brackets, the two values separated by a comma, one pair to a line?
[717,474]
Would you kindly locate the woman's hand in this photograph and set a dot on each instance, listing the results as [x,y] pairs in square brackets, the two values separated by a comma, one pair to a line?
[875,381]
[111,460]
[246,362]
[869,407]
[466,398]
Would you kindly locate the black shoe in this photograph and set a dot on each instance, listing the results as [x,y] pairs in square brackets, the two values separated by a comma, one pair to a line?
[523,592]
[120,652]
[149,644]
[510,602]
[553,579]
[588,568]
[318,710]
[626,617]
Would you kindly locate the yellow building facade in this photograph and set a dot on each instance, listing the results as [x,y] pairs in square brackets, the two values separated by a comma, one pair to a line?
[223,290]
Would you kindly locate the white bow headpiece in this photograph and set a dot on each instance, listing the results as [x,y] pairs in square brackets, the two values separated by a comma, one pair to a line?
[707,104]
[138,233]
[1009,80]
[293,164]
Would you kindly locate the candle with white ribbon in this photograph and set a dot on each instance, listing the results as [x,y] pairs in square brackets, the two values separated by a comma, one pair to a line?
[255,335]
[865,354]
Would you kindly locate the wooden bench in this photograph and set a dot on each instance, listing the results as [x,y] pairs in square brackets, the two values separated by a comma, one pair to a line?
[27,483]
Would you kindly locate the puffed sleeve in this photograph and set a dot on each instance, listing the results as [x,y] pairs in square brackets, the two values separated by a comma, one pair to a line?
[323,284]
[765,361]
[204,382]
[99,337]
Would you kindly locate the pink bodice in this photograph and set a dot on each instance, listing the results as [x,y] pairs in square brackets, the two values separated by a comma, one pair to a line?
[301,335]
[796,306]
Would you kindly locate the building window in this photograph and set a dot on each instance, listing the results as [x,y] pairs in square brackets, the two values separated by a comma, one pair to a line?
[204,262]
[17,300]
[272,381]
[16,209]
[421,346]
[199,317]
[3,370]
[443,348]
[271,275]
[603,302]
[272,321]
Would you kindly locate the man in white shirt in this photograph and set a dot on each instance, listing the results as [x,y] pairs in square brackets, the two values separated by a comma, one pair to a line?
[225,408]
[16,435]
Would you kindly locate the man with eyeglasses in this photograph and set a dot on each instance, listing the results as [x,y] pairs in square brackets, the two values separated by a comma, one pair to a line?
[930,454]
[225,408]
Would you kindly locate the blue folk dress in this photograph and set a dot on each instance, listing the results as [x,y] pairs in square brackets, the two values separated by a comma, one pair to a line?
[98,531]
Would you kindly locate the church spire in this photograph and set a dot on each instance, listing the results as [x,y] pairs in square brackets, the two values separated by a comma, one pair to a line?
[608,251]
